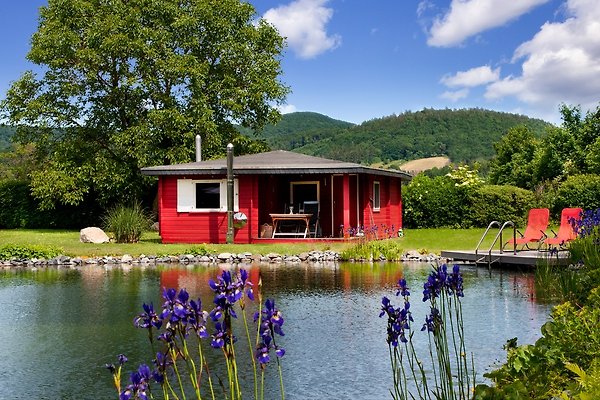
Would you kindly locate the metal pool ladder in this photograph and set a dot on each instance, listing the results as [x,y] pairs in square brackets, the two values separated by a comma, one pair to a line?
[488,257]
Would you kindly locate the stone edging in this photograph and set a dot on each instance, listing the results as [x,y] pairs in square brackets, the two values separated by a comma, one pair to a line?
[312,256]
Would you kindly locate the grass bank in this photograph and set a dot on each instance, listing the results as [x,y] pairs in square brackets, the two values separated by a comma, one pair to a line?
[430,240]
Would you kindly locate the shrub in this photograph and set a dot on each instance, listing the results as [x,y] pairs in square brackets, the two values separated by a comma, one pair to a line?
[16,205]
[18,209]
[500,203]
[28,252]
[127,223]
[577,191]
[435,202]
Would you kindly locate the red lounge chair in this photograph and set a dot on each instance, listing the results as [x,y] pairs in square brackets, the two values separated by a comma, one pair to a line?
[566,233]
[535,232]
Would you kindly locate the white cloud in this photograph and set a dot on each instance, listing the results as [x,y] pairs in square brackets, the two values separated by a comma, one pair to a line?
[561,63]
[287,108]
[456,95]
[473,77]
[304,25]
[470,17]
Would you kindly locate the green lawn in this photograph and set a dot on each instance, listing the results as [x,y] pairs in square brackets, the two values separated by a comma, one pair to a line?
[431,240]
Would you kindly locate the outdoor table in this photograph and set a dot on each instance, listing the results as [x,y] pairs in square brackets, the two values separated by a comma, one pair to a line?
[299,218]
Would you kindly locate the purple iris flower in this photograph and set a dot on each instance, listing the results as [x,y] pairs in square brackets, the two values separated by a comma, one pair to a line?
[271,321]
[218,338]
[197,318]
[228,290]
[433,321]
[139,384]
[148,318]
[398,321]
[436,281]
[402,288]
[455,282]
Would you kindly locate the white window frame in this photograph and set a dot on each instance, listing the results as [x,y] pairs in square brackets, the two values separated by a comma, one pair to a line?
[376,196]
[186,195]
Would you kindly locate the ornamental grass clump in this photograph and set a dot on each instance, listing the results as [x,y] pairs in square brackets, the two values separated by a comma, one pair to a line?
[451,375]
[178,334]
[127,223]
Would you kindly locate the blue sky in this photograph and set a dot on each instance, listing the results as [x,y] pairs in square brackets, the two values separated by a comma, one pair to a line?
[355,60]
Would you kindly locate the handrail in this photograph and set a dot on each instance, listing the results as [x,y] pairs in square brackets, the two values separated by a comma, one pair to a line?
[485,234]
[499,235]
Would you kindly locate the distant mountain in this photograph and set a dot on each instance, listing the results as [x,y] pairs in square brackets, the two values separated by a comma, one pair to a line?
[463,135]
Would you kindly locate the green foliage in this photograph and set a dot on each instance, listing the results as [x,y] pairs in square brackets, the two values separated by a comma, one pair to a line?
[589,382]
[500,203]
[574,148]
[463,135]
[577,191]
[127,223]
[6,135]
[514,155]
[129,84]
[18,163]
[560,283]
[366,250]
[299,129]
[435,202]
[28,252]
[541,371]
[200,250]
[18,209]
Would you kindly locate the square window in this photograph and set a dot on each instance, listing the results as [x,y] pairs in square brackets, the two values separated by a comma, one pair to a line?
[208,195]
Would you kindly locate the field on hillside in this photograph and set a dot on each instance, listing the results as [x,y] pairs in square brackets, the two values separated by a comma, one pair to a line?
[423,164]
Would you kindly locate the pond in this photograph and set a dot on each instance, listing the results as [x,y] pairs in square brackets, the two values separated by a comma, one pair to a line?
[61,326]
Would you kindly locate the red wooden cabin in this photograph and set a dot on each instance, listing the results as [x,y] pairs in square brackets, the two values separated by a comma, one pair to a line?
[192,200]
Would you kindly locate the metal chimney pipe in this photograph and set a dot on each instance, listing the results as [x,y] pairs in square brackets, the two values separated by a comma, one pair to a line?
[198,148]
[230,188]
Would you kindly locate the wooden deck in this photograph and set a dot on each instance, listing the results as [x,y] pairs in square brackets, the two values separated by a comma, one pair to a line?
[521,258]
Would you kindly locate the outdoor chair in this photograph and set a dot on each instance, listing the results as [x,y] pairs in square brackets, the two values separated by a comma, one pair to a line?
[566,231]
[535,232]
[312,207]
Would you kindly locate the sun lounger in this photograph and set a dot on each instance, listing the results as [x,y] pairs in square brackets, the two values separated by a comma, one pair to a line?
[535,232]
[566,231]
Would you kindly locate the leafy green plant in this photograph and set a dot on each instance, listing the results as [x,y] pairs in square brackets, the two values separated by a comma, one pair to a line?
[27,252]
[127,223]
[373,250]
[577,191]
[200,250]
[541,371]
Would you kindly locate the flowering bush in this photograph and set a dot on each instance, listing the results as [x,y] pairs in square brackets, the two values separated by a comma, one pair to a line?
[183,324]
[453,375]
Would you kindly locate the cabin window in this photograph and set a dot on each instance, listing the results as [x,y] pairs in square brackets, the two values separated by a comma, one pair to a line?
[376,196]
[204,195]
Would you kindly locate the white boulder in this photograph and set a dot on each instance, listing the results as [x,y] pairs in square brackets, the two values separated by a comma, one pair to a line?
[93,235]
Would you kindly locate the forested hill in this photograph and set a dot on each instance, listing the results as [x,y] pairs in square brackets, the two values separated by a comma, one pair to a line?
[463,135]
[300,128]
[6,133]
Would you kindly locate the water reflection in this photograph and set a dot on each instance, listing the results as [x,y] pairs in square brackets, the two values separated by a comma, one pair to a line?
[63,325]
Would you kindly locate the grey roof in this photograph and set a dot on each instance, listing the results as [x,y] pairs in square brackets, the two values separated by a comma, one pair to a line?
[272,162]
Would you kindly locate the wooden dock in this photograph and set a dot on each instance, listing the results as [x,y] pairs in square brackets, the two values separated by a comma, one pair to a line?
[495,258]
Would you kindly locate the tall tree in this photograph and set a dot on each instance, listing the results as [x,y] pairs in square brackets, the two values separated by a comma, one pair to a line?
[129,83]
[514,155]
